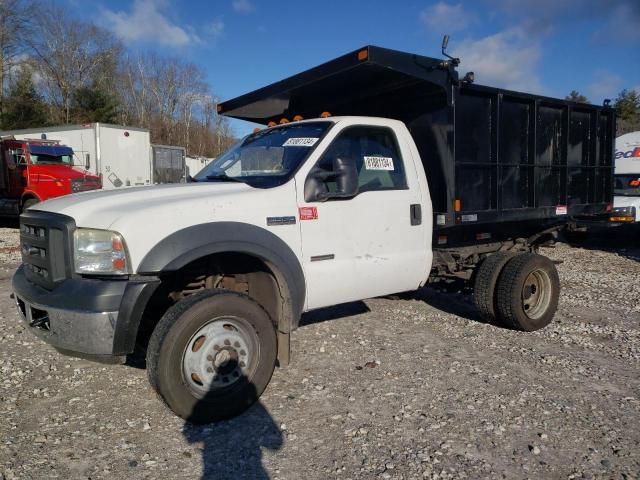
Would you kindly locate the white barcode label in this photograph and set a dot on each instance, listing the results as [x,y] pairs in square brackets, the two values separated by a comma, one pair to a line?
[300,142]
[378,163]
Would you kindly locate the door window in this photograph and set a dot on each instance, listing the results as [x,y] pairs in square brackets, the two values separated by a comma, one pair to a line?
[376,154]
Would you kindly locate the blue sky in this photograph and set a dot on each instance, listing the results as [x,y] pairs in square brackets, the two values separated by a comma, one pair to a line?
[540,46]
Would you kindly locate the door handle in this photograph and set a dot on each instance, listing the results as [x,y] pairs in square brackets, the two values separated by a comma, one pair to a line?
[415,211]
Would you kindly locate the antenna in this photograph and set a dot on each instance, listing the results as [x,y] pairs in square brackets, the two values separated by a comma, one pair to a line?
[445,43]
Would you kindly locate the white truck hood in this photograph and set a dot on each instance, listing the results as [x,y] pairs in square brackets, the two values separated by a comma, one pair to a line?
[146,215]
[101,208]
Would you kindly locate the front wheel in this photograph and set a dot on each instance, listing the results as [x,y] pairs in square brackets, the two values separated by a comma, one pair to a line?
[527,292]
[212,355]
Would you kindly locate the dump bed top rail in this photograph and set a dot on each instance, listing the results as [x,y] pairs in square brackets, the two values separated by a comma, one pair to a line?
[342,86]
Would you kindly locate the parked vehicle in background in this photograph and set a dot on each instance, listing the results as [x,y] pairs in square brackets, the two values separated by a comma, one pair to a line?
[121,156]
[626,200]
[32,171]
[168,164]
[378,172]
[195,164]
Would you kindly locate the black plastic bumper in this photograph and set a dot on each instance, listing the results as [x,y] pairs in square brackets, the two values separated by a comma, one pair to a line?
[85,316]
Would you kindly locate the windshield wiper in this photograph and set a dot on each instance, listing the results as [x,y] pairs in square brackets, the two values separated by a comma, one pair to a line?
[223,177]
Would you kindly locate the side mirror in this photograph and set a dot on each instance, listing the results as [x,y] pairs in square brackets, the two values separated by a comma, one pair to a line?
[87,161]
[344,174]
[445,42]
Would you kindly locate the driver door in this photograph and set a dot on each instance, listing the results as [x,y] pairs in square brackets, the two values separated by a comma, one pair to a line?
[367,245]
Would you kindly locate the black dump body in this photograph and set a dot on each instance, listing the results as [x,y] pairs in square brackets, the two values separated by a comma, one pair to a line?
[500,164]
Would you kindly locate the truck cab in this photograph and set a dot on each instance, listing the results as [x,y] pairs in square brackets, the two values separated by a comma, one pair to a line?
[32,171]
[626,200]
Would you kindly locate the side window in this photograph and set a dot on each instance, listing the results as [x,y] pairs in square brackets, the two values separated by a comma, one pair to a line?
[376,155]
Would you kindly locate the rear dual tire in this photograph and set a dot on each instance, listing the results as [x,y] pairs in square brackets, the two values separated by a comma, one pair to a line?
[518,291]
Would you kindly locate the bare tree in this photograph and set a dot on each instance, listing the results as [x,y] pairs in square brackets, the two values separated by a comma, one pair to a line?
[14,15]
[70,54]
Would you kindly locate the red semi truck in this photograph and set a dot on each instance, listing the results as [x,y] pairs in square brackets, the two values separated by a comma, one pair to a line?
[32,171]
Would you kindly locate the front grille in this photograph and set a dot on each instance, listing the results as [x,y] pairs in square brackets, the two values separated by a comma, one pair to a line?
[84,185]
[45,242]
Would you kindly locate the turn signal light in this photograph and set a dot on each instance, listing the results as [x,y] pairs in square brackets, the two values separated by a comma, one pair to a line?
[218,108]
[457,205]
[363,55]
[622,219]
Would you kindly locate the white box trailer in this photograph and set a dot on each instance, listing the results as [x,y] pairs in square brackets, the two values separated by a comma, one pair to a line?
[122,156]
[195,164]
[626,190]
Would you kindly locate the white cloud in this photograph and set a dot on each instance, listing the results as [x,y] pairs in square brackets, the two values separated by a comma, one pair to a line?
[216,28]
[146,23]
[506,59]
[444,18]
[243,6]
[622,25]
[605,84]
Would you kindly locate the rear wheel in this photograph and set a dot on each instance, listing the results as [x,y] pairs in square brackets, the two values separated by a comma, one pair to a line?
[212,355]
[527,292]
[484,285]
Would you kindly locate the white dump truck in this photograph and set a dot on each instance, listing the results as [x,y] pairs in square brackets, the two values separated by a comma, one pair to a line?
[377,173]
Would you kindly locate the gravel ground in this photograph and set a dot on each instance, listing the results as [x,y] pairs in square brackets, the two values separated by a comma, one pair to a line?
[409,387]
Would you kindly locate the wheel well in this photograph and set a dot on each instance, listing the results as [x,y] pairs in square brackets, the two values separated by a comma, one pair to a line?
[26,197]
[230,271]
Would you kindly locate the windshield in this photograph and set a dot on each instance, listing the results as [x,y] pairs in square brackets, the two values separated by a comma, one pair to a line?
[627,185]
[43,159]
[267,158]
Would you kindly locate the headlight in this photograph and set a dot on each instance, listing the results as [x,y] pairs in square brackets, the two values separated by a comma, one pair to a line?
[99,252]
[624,211]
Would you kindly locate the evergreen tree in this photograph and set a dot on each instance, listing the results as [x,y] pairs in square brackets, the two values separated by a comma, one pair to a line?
[94,104]
[23,107]
[627,106]
[575,96]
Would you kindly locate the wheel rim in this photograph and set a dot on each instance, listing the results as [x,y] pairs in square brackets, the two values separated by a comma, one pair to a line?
[221,353]
[536,294]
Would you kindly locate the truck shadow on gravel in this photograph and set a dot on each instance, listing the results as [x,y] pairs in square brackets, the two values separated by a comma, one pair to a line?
[333,313]
[459,303]
[623,241]
[232,449]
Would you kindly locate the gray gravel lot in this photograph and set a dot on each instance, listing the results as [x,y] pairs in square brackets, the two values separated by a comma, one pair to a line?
[407,387]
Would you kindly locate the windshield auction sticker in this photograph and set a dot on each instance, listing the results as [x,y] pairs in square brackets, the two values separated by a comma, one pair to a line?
[378,163]
[300,142]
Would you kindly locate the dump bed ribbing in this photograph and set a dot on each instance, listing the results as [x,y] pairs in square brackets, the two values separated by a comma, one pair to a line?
[493,157]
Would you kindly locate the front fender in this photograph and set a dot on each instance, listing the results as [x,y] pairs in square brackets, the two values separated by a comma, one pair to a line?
[198,241]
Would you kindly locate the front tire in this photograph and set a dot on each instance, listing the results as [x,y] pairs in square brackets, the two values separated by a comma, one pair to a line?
[527,293]
[212,355]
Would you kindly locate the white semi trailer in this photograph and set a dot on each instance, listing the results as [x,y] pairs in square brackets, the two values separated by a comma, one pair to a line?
[626,200]
[122,156]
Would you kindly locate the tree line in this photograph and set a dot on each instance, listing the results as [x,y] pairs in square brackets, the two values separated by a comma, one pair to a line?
[56,69]
[627,105]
